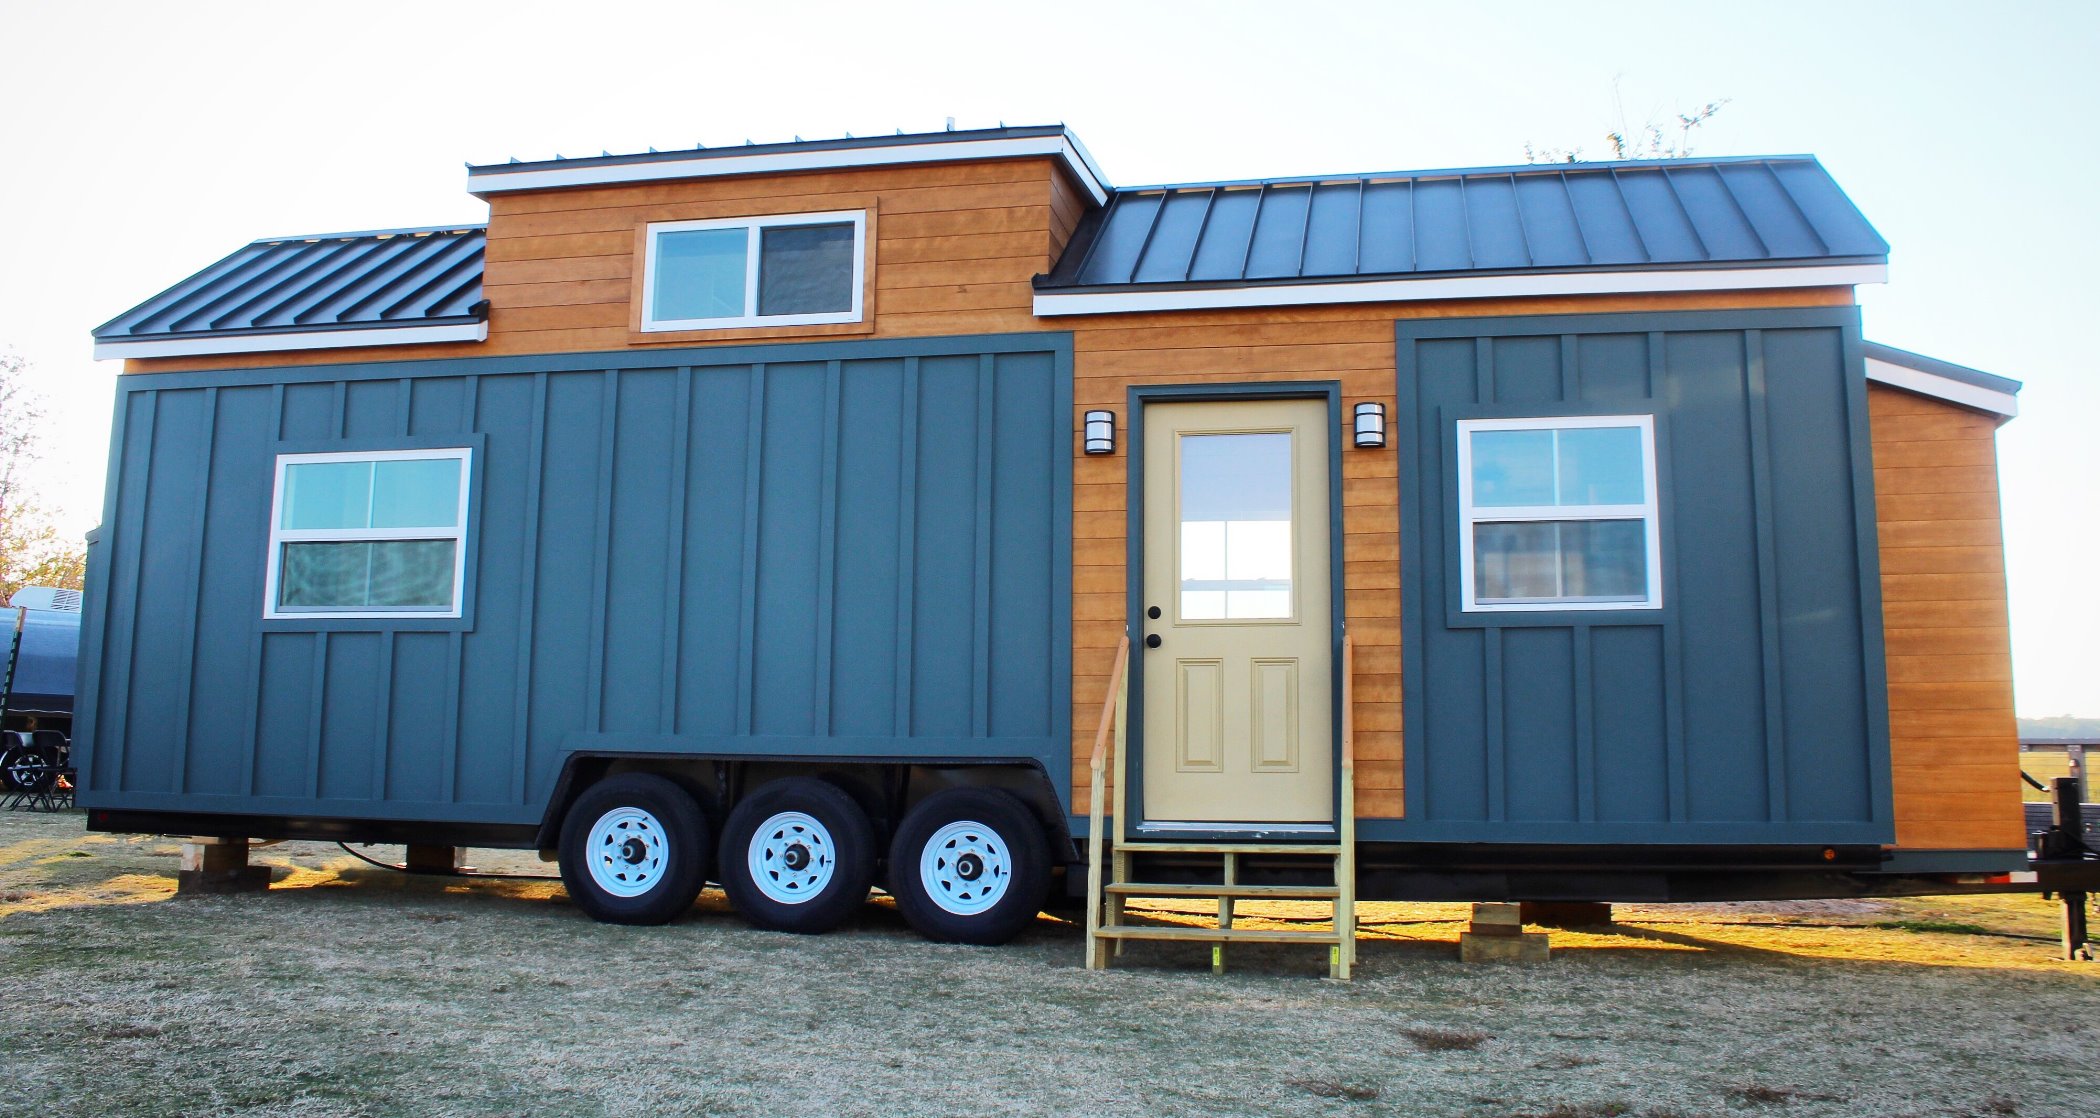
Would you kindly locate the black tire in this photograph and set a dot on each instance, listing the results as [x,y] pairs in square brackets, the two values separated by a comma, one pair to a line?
[763,838]
[948,905]
[668,860]
[28,768]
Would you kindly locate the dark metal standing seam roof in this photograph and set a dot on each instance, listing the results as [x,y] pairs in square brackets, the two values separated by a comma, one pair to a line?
[1635,216]
[336,281]
[1959,373]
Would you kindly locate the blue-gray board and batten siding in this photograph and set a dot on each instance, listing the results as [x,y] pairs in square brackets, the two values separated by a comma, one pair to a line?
[817,550]
[1751,708]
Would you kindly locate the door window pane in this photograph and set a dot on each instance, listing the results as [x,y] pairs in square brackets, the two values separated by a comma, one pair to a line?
[1236,538]
[700,273]
[805,269]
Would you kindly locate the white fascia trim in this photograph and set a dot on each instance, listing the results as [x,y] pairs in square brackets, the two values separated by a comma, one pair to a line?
[1458,287]
[311,339]
[1945,388]
[496,181]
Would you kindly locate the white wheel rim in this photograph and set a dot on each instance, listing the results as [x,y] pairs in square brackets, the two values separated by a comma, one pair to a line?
[792,857]
[628,852]
[966,867]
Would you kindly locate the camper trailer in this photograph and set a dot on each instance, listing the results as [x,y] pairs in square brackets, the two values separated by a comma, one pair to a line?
[925,511]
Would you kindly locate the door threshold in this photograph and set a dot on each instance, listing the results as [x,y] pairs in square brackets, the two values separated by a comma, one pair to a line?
[1250,830]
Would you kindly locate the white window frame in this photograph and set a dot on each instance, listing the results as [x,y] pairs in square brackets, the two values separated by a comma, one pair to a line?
[754,227]
[1649,511]
[280,535]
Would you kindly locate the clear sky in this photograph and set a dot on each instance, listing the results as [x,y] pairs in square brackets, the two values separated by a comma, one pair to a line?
[140,142]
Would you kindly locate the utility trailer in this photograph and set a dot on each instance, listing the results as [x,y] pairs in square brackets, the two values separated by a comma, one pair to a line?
[36,697]
[923,510]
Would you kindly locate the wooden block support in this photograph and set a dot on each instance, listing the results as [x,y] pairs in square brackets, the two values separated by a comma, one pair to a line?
[219,865]
[1567,914]
[425,858]
[1499,913]
[1524,947]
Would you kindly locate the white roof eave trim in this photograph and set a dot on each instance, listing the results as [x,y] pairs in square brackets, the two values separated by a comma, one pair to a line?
[1945,388]
[1050,304]
[310,339]
[483,182]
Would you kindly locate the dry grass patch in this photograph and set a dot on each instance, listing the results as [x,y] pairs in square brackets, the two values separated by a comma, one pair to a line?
[348,990]
[1446,1040]
[1583,1110]
[1336,1089]
[1757,1094]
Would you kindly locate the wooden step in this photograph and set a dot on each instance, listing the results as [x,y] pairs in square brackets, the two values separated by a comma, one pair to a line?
[1215,935]
[1242,892]
[1146,846]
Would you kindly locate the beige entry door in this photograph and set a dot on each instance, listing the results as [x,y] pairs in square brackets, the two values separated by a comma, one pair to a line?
[1237,707]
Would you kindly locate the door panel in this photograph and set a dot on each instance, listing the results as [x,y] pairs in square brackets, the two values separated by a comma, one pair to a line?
[1275,719]
[1238,716]
[1202,717]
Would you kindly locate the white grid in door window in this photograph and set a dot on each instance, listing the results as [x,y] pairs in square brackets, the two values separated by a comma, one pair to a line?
[1235,526]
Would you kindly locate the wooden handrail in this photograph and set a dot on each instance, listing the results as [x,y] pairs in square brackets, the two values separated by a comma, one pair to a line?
[1098,765]
[1107,725]
[1345,865]
[1348,707]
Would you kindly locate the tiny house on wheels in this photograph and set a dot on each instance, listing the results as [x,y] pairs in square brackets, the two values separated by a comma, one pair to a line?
[924,511]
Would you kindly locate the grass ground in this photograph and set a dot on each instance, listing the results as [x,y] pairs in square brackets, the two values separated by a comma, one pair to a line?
[348,990]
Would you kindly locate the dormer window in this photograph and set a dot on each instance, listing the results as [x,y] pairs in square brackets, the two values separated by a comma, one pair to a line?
[781,270]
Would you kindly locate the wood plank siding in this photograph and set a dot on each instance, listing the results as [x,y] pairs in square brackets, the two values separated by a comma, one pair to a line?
[1953,744]
[1350,344]
[956,246]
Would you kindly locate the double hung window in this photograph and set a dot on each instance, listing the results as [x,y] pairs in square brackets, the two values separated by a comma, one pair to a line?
[784,270]
[1558,514]
[371,534]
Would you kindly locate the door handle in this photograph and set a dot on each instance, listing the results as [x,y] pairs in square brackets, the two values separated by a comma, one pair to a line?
[1152,640]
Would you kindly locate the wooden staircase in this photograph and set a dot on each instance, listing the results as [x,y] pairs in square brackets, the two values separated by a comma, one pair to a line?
[1108,917]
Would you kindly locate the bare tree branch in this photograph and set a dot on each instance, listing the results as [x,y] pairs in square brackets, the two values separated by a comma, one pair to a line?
[1654,138]
[32,550]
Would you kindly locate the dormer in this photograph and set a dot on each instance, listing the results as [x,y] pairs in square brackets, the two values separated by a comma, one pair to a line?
[904,235]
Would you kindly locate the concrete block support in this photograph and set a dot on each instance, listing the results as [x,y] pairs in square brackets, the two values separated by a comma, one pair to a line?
[1567,914]
[219,865]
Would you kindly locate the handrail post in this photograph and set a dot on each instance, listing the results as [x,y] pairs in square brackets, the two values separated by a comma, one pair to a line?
[1097,765]
[1345,862]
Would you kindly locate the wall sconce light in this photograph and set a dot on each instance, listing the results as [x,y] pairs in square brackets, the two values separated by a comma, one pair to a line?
[1370,426]
[1100,432]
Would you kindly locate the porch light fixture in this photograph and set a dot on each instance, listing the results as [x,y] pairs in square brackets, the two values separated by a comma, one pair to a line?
[1100,432]
[1370,426]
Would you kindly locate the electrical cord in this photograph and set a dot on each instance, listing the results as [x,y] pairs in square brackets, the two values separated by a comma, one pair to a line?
[456,873]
